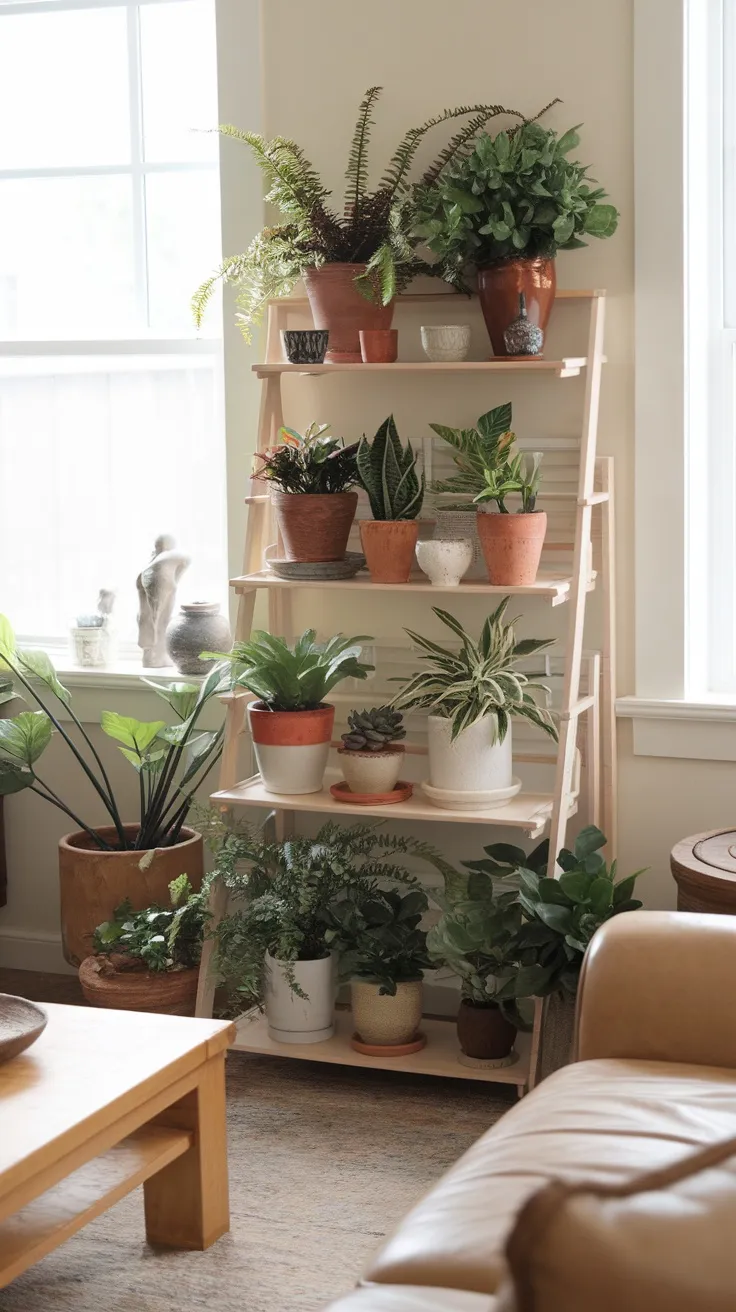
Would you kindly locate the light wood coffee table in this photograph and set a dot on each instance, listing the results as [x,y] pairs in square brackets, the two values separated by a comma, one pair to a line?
[102,1102]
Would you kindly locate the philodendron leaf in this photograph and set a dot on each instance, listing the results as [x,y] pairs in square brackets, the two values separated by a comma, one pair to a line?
[135,734]
[148,764]
[181,697]
[26,736]
[14,778]
[38,665]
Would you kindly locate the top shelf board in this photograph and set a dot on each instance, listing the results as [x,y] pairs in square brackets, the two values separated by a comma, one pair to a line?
[569,367]
[459,298]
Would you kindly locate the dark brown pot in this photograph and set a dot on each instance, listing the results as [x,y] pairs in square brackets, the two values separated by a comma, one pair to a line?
[483,1031]
[389,548]
[169,992]
[314,526]
[512,547]
[92,883]
[498,290]
[338,306]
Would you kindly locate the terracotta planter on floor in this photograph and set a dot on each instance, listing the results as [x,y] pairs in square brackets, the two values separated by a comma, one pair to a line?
[389,548]
[92,883]
[167,992]
[512,546]
[484,1032]
[498,291]
[338,306]
[314,526]
[291,747]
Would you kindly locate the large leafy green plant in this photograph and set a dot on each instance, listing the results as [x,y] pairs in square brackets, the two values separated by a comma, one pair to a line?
[378,938]
[513,195]
[480,680]
[296,678]
[375,227]
[388,472]
[476,450]
[313,463]
[157,938]
[171,760]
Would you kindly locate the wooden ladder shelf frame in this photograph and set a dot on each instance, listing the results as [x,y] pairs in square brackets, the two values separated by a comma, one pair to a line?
[595,497]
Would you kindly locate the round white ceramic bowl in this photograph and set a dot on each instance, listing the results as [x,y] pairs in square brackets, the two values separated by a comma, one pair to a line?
[444,561]
[446,341]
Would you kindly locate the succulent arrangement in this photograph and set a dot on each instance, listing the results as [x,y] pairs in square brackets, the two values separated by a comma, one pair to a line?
[310,463]
[298,677]
[378,938]
[388,473]
[374,730]
[476,451]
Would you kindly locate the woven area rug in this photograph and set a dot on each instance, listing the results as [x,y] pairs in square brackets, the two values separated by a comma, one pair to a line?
[324,1161]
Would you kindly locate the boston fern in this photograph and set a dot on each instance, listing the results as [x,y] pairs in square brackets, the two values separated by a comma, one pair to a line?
[388,473]
[314,464]
[297,678]
[374,228]
[480,680]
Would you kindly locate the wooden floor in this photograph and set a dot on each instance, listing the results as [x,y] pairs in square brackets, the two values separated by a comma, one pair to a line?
[42,987]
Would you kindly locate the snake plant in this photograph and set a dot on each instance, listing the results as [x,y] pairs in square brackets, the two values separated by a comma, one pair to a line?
[388,473]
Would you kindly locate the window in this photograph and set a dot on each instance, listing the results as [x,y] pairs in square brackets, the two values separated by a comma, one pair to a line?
[111,428]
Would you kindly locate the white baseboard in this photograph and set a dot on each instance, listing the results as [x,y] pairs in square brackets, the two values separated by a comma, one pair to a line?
[21,949]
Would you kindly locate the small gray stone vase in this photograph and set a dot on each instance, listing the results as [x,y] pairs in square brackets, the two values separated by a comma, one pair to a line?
[522,337]
[198,627]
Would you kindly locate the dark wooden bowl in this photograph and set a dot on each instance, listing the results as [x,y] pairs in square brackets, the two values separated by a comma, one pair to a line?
[21,1023]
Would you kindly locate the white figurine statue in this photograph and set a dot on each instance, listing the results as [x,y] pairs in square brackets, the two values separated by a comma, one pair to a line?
[157,585]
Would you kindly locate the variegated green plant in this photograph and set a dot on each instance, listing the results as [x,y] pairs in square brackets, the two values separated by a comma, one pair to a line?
[388,473]
[480,680]
[520,473]
[476,450]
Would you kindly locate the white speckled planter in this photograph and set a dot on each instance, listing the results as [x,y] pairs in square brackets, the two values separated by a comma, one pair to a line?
[447,341]
[473,762]
[444,561]
[371,772]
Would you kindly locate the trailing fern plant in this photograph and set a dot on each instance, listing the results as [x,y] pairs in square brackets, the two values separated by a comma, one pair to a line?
[388,473]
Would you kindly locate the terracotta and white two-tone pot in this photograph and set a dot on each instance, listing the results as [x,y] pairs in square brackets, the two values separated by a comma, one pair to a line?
[291,747]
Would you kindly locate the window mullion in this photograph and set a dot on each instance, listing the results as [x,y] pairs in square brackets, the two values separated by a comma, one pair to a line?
[138,180]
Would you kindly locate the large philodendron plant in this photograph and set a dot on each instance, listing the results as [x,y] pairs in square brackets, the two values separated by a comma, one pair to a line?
[171,761]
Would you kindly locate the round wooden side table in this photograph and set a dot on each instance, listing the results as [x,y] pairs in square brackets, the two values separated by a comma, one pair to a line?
[704,868]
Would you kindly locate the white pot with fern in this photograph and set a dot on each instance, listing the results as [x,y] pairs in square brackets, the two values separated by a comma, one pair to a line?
[471,695]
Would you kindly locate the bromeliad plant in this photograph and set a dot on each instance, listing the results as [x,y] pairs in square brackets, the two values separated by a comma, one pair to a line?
[378,938]
[171,760]
[476,451]
[297,678]
[388,473]
[314,463]
[157,938]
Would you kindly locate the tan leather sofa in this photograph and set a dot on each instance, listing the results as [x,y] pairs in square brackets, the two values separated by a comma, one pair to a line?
[654,1078]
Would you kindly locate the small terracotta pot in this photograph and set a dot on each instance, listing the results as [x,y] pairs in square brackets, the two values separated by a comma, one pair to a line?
[483,1031]
[512,546]
[389,548]
[291,747]
[498,291]
[338,306]
[168,992]
[379,345]
[314,526]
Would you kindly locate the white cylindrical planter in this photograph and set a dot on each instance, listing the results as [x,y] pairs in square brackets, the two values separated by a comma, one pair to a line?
[474,764]
[292,1019]
[382,1019]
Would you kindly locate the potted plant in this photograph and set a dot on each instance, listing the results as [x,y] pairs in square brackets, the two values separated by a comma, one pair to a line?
[383,952]
[512,543]
[504,209]
[102,865]
[474,450]
[273,950]
[471,694]
[148,960]
[291,724]
[388,473]
[311,478]
[353,262]
[371,752]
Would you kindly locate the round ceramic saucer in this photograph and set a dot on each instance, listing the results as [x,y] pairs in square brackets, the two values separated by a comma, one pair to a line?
[324,571]
[401,792]
[450,800]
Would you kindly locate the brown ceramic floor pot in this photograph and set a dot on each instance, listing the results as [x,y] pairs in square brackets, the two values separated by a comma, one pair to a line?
[483,1031]
[92,883]
[338,306]
[512,546]
[314,526]
[169,992]
[498,291]
[389,548]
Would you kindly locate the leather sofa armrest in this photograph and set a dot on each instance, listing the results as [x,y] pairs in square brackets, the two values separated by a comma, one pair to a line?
[660,986]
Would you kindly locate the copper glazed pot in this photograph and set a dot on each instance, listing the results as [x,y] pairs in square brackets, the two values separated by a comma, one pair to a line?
[498,291]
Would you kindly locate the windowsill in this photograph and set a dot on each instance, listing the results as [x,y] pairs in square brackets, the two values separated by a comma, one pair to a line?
[703,730]
[123,674]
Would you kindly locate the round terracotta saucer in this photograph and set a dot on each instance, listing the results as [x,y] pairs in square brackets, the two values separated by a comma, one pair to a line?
[388,1049]
[400,793]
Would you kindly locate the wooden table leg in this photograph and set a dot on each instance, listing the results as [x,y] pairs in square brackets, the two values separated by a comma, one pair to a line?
[187,1204]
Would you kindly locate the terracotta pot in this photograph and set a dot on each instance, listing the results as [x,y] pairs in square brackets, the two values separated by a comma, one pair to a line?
[291,747]
[314,526]
[379,345]
[512,546]
[483,1031]
[389,548]
[92,883]
[338,306]
[498,290]
[168,992]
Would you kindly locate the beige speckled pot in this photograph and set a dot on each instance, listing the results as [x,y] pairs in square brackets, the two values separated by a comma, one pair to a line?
[382,1019]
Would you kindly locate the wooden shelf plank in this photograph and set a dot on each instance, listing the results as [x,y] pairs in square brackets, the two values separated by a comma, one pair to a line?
[568,367]
[459,298]
[439,1057]
[555,587]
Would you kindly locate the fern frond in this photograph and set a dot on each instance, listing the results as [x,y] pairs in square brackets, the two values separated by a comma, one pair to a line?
[461,138]
[231,270]
[294,184]
[403,157]
[356,173]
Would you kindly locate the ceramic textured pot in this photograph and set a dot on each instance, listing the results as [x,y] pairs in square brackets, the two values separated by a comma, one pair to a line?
[512,547]
[304,345]
[371,772]
[292,1019]
[92,883]
[314,526]
[90,647]
[291,747]
[446,341]
[474,763]
[483,1031]
[168,992]
[198,627]
[384,1019]
[499,288]
[379,345]
[445,562]
[389,548]
[338,306]
[454,525]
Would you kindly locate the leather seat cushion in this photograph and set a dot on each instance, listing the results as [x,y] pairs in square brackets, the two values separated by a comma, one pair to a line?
[601,1122]
[407,1298]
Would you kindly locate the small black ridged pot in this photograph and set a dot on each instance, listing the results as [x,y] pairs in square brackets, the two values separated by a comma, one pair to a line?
[305,346]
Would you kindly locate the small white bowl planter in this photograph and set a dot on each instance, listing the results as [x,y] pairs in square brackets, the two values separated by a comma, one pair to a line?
[445,341]
[371,773]
[445,561]
[383,1019]
[291,747]
[292,1019]
[473,771]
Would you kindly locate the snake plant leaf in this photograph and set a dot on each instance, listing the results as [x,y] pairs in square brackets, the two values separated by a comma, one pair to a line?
[26,736]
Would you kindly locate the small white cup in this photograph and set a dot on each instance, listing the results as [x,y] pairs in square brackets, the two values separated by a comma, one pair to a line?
[448,341]
[444,561]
